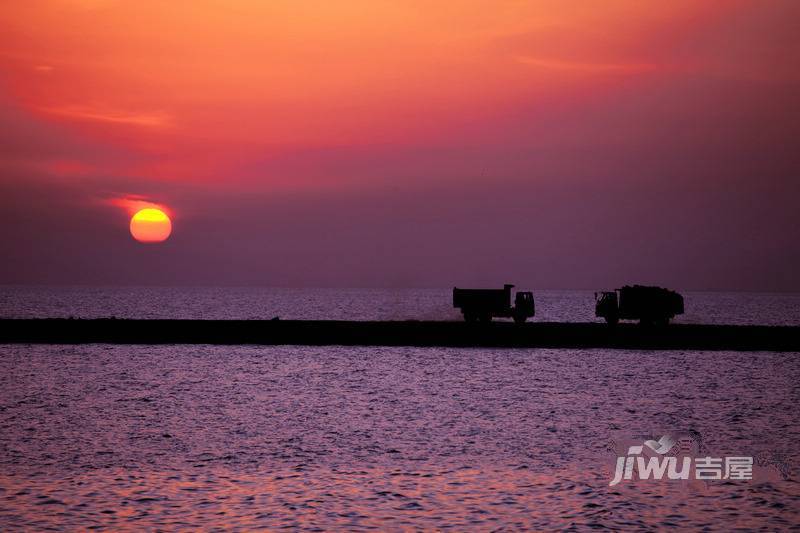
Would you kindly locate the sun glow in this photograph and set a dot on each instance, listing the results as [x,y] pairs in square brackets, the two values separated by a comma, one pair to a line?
[150,225]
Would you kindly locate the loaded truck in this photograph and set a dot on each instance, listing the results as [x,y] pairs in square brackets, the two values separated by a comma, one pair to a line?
[484,304]
[648,305]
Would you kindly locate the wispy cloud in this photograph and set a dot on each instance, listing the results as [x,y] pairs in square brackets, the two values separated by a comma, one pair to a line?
[588,68]
[92,114]
[132,203]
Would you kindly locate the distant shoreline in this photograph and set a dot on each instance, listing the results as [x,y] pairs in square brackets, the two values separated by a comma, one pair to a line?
[400,333]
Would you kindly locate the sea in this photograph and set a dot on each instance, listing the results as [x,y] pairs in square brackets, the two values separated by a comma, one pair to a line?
[117,437]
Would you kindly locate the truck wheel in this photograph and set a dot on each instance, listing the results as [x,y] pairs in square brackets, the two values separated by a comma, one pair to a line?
[485,319]
[470,318]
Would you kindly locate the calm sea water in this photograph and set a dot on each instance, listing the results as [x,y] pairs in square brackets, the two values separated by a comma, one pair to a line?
[355,304]
[321,438]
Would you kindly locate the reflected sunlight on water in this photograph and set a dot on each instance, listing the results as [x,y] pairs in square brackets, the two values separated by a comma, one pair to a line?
[323,499]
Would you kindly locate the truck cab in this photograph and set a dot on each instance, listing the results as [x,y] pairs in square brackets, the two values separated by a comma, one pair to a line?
[606,306]
[524,306]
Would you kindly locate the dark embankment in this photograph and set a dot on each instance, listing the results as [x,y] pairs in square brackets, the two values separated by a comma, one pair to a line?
[401,333]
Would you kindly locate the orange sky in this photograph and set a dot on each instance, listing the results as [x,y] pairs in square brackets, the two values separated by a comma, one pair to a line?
[196,88]
[217,109]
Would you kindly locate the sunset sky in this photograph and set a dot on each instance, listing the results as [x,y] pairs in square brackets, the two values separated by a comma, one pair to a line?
[402,144]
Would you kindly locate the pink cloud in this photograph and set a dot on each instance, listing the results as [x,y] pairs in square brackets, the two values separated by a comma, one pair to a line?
[99,114]
[588,68]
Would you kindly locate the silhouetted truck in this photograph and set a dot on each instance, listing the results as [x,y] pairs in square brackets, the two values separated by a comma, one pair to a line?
[483,304]
[648,305]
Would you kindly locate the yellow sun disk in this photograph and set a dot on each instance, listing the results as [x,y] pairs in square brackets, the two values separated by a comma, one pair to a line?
[150,225]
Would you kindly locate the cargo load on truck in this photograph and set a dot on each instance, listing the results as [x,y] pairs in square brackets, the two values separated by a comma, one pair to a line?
[648,305]
[481,305]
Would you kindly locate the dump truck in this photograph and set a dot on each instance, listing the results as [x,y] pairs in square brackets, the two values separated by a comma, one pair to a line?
[648,305]
[484,304]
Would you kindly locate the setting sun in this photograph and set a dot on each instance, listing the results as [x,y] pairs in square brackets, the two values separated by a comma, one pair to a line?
[150,225]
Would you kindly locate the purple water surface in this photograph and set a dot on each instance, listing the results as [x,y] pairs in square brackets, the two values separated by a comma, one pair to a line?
[320,438]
